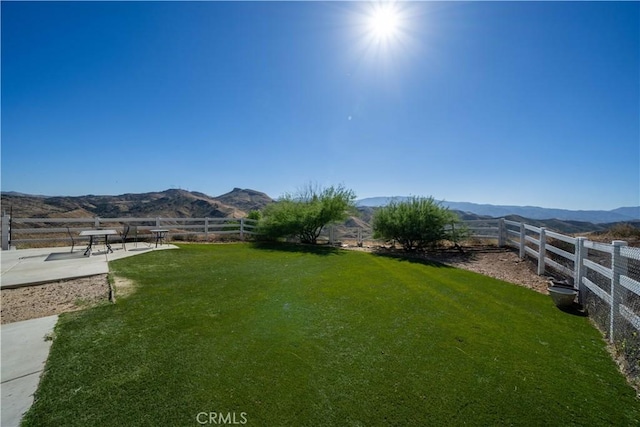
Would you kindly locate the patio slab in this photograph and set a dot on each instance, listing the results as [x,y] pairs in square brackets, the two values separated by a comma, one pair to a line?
[27,267]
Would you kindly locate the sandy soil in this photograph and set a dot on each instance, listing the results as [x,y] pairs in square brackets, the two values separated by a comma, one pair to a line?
[52,298]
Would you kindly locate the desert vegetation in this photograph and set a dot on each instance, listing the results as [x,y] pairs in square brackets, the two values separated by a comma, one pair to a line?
[622,231]
[304,214]
[417,223]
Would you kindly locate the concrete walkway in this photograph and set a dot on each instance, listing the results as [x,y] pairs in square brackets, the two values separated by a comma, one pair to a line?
[24,353]
[24,350]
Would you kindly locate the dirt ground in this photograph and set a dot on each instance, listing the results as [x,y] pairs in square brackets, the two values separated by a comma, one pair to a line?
[70,295]
[499,263]
[52,298]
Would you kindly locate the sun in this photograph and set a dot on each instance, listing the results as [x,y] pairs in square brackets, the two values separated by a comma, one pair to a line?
[384,22]
[384,31]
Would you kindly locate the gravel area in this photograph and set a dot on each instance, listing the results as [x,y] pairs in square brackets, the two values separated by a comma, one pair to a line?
[31,302]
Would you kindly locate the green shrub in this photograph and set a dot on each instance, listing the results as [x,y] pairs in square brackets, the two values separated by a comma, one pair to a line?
[417,223]
[304,214]
[255,215]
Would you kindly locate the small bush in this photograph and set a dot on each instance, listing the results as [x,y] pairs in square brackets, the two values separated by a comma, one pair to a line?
[417,223]
[255,215]
[624,230]
[306,213]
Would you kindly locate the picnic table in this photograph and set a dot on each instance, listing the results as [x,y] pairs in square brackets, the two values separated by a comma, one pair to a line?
[160,234]
[94,235]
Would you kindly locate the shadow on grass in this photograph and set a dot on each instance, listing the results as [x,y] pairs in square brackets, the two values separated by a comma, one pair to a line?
[575,310]
[417,258]
[322,250]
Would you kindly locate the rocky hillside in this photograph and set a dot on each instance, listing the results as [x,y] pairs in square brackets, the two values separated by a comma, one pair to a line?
[169,203]
[245,200]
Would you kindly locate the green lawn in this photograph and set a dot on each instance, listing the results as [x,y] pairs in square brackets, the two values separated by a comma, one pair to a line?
[286,336]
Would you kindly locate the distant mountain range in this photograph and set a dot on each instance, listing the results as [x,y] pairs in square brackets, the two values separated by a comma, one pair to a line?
[171,203]
[239,202]
[533,212]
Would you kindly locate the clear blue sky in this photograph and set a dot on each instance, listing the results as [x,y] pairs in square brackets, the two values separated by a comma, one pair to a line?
[516,103]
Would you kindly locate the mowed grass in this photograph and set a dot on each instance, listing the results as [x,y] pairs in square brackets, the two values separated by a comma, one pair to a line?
[290,336]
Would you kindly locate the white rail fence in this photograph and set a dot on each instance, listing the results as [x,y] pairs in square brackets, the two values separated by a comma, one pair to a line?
[29,231]
[607,276]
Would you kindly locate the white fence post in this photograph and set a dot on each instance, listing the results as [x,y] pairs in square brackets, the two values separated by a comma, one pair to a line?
[96,222]
[241,228]
[542,251]
[157,222]
[523,240]
[6,232]
[502,232]
[206,228]
[578,268]
[618,268]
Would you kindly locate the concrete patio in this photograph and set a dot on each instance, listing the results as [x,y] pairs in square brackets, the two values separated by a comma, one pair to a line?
[24,347]
[26,267]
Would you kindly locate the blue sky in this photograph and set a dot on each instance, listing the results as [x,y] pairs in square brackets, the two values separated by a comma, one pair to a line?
[533,103]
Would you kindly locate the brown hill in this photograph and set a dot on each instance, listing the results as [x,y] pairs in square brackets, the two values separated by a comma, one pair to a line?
[244,199]
[169,204]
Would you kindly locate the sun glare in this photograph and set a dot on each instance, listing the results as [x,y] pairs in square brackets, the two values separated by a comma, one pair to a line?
[384,22]
[384,31]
